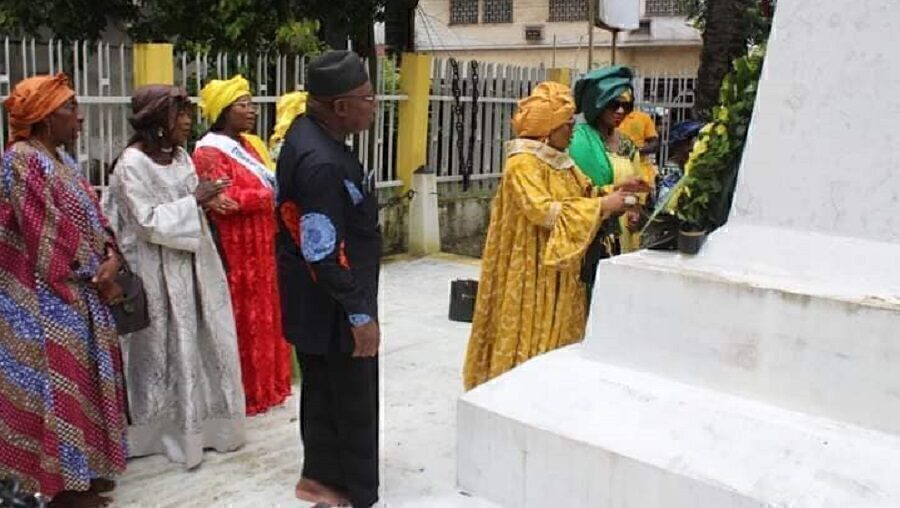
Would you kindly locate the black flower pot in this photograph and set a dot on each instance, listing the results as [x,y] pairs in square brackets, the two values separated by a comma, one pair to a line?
[462,300]
[690,241]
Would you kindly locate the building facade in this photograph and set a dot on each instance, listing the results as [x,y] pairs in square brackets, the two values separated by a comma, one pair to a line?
[554,33]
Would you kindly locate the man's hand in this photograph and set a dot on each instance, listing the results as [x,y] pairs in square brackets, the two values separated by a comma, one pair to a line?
[367,339]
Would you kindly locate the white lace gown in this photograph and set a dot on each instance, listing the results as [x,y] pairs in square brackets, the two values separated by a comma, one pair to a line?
[182,374]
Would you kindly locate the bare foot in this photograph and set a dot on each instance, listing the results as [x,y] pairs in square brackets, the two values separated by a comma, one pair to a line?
[102,485]
[72,499]
[315,492]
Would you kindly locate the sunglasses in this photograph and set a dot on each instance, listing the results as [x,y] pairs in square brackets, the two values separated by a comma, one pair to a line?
[615,105]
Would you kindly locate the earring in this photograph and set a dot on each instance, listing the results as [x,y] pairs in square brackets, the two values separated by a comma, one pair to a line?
[161,133]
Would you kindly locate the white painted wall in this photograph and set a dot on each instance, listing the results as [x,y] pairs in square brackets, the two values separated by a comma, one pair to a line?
[824,148]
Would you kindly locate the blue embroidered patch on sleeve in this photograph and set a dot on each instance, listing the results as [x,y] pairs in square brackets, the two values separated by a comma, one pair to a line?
[317,237]
[359,319]
[355,194]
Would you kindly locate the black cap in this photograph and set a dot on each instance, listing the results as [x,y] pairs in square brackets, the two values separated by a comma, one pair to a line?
[335,73]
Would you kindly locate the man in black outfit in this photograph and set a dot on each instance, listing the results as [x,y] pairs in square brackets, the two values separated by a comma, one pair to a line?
[329,249]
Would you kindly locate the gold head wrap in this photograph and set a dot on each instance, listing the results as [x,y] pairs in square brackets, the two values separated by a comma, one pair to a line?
[549,107]
[288,108]
[34,99]
[219,94]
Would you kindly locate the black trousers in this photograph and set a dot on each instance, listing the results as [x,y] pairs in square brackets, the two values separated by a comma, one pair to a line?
[339,423]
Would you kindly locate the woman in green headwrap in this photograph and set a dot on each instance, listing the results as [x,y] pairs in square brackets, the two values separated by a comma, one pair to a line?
[607,157]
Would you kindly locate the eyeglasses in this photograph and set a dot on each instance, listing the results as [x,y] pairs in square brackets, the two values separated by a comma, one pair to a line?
[244,104]
[364,97]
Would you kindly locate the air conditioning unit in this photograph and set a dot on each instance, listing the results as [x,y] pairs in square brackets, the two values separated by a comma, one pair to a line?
[534,33]
[619,14]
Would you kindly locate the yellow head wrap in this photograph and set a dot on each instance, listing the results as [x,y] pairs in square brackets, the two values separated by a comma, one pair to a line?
[626,96]
[288,108]
[549,107]
[219,94]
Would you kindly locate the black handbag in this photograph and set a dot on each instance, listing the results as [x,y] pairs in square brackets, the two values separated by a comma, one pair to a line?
[130,312]
[462,300]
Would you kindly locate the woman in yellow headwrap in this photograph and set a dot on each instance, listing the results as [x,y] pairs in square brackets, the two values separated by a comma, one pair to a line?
[289,107]
[245,220]
[546,212]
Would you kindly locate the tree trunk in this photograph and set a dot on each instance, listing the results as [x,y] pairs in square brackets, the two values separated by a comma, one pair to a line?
[725,38]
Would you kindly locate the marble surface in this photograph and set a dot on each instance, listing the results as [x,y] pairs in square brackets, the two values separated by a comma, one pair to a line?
[421,381]
[822,153]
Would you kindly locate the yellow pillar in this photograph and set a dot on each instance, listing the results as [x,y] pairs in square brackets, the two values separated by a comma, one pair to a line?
[154,64]
[412,135]
[561,75]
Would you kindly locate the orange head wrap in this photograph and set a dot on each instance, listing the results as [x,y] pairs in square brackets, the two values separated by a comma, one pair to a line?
[34,99]
[549,107]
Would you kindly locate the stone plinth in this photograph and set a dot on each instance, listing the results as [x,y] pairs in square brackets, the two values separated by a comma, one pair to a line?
[761,372]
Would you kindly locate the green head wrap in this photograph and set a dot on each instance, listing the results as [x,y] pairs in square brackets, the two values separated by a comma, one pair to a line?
[594,91]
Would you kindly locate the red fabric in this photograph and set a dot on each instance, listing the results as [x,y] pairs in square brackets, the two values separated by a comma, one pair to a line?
[248,241]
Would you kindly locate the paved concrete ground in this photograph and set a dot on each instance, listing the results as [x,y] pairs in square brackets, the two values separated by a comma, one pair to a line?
[421,380]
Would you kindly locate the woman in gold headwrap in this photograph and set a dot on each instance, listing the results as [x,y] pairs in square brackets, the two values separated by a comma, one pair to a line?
[288,108]
[62,412]
[546,212]
[245,220]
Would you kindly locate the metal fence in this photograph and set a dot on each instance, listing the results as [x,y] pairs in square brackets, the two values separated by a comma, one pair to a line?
[499,87]
[669,99]
[102,75]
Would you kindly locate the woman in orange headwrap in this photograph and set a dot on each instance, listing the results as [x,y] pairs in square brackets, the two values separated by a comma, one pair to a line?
[530,296]
[245,219]
[62,424]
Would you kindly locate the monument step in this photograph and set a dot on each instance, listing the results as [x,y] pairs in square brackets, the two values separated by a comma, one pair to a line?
[532,438]
[780,336]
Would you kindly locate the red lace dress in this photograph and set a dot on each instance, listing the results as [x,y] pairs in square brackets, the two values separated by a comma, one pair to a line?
[248,248]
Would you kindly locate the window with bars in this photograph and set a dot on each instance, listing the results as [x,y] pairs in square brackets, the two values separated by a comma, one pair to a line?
[665,8]
[497,11]
[463,12]
[568,10]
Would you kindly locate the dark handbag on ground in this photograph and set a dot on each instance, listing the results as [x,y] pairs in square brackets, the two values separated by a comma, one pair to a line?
[462,300]
[131,312]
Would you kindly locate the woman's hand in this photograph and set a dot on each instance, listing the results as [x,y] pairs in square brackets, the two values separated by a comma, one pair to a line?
[634,220]
[105,279]
[207,190]
[617,202]
[222,204]
[634,185]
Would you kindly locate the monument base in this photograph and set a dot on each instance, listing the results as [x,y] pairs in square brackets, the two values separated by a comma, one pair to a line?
[567,430]
[760,373]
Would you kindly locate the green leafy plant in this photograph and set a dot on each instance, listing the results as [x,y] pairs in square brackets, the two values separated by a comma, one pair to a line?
[717,152]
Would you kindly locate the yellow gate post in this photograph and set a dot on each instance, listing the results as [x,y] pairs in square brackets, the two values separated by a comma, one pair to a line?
[412,135]
[154,64]
[561,75]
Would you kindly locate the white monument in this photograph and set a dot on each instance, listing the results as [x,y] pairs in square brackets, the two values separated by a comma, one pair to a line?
[764,371]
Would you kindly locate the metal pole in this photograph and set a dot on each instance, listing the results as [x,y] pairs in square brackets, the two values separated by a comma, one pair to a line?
[591,16]
[554,51]
[615,40]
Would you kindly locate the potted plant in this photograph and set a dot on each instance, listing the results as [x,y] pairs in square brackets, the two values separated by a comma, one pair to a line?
[703,196]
